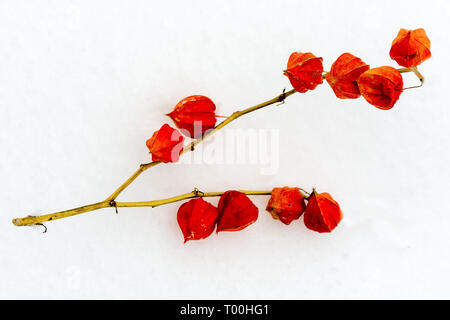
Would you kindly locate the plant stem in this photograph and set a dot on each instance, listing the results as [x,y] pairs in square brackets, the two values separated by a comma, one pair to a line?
[418,75]
[109,202]
[31,220]
[193,194]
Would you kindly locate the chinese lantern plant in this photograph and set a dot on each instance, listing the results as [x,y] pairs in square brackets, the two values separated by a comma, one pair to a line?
[195,117]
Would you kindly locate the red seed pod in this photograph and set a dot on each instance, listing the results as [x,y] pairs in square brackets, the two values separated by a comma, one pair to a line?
[322,213]
[304,71]
[381,86]
[343,75]
[236,211]
[410,48]
[194,115]
[197,219]
[286,204]
[166,144]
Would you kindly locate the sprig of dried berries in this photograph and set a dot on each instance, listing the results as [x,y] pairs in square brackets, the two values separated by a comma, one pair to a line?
[195,117]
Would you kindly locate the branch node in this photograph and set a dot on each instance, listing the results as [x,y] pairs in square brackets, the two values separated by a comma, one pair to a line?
[112,203]
[198,193]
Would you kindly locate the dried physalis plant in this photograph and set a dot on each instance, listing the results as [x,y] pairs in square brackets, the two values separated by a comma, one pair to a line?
[195,117]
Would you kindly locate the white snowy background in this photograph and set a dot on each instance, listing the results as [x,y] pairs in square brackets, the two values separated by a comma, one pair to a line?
[83,85]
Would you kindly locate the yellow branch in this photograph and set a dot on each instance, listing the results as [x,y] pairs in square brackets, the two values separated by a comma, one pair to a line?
[110,201]
[31,220]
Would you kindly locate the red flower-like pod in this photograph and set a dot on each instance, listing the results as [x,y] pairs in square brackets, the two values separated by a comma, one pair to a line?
[410,48]
[194,115]
[304,71]
[236,211]
[197,219]
[343,75]
[322,213]
[286,204]
[381,86]
[166,144]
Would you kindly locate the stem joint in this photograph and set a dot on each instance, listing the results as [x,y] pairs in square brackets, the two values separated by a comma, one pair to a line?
[198,193]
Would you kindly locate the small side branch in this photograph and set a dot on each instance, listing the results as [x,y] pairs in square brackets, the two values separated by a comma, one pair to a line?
[190,195]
